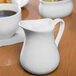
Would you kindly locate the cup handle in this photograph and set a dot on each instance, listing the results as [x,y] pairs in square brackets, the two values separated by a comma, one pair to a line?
[61,30]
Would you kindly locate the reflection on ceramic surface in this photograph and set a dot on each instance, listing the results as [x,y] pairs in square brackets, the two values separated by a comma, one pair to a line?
[39,54]
[18,37]
[9,25]
[55,9]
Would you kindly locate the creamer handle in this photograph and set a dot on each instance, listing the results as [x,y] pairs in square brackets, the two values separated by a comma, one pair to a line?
[61,30]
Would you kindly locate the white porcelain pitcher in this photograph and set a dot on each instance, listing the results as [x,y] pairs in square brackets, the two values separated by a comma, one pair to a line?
[40,54]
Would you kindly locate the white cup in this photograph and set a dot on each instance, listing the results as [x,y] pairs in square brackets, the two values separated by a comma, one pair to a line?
[9,24]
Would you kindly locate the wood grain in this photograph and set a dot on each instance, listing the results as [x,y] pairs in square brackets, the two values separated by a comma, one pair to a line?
[2,1]
[9,55]
[7,1]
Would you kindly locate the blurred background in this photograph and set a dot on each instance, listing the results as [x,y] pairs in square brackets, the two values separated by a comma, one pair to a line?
[4,1]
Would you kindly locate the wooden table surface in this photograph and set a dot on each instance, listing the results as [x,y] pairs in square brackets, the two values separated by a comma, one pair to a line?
[9,55]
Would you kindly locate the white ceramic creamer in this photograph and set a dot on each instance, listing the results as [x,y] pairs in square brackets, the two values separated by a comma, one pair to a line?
[40,54]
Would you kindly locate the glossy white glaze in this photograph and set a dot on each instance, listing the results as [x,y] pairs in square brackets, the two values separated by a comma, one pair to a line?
[39,54]
[9,25]
[17,38]
[55,9]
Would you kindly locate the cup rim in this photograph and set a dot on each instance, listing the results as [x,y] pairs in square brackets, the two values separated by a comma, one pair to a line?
[56,2]
[17,13]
